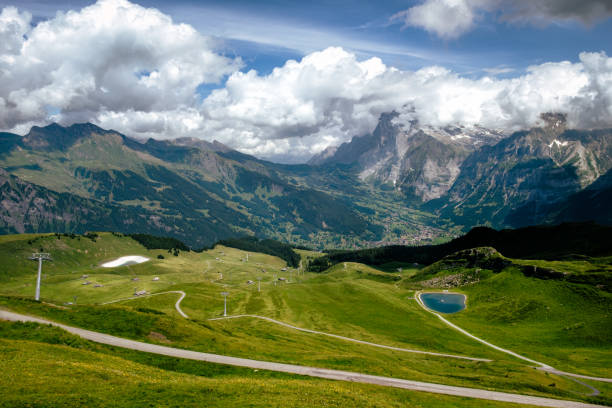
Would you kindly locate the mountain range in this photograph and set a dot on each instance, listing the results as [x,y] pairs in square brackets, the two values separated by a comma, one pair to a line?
[403,183]
[79,177]
[474,176]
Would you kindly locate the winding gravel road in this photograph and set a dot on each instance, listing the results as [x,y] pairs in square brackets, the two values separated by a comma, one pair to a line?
[303,370]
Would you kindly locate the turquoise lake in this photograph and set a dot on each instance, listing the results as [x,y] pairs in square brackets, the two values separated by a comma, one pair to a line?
[444,302]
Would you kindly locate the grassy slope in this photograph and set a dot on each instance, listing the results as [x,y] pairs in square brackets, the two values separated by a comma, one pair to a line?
[566,325]
[357,301]
[89,374]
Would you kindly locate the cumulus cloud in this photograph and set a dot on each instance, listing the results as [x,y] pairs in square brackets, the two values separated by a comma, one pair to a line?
[13,26]
[452,18]
[133,69]
[446,18]
[330,96]
[111,56]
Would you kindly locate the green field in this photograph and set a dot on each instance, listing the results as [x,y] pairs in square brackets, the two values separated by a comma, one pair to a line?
[562,324]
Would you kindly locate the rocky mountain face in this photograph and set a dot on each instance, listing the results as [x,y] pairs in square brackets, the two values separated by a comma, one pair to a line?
[65,178]
[420,161]
[475,176]
[594,203]
[530,169]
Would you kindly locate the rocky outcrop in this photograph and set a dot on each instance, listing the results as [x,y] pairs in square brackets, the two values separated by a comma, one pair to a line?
[481,257]
[453,281]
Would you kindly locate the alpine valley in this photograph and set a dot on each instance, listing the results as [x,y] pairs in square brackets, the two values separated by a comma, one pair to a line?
[403,183]
[400,184]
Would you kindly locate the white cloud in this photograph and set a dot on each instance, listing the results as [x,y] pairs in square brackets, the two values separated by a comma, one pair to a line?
[132,69]
[328,93]
[450,19]
[330,96]
[13,26]
[446,18]
[111,56]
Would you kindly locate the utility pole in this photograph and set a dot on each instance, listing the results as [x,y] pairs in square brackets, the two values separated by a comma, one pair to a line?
[259,284]
[224,294]
[40,257]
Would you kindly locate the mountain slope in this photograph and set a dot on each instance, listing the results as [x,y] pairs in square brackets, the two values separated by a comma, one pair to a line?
[594,203]
[540,166]
[208,191]
[27,207]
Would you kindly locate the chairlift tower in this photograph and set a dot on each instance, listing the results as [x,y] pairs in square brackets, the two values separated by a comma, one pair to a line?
[40,257]
[224,294]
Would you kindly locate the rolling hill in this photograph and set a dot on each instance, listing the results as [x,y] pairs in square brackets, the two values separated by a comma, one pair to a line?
[351,300]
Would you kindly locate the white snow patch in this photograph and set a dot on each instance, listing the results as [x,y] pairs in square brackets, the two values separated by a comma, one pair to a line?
[461,136]
[557,143]
[125,260]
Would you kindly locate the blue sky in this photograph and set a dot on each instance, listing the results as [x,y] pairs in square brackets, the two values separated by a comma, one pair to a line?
[266,33]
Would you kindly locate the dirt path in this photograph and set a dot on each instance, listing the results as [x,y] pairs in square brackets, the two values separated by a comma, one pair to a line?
[308,371]
[352,340]
[542,366]
[177,305]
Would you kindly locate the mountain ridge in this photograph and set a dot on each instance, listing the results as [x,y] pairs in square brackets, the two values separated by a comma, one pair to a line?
[192,182]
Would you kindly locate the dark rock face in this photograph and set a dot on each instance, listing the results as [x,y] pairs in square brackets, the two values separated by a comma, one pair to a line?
[594,204]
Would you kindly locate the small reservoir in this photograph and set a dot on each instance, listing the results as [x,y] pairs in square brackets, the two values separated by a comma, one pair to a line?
[444,302]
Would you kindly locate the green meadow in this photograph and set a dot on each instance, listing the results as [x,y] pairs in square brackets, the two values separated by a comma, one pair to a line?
[46,367]
[565,325]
